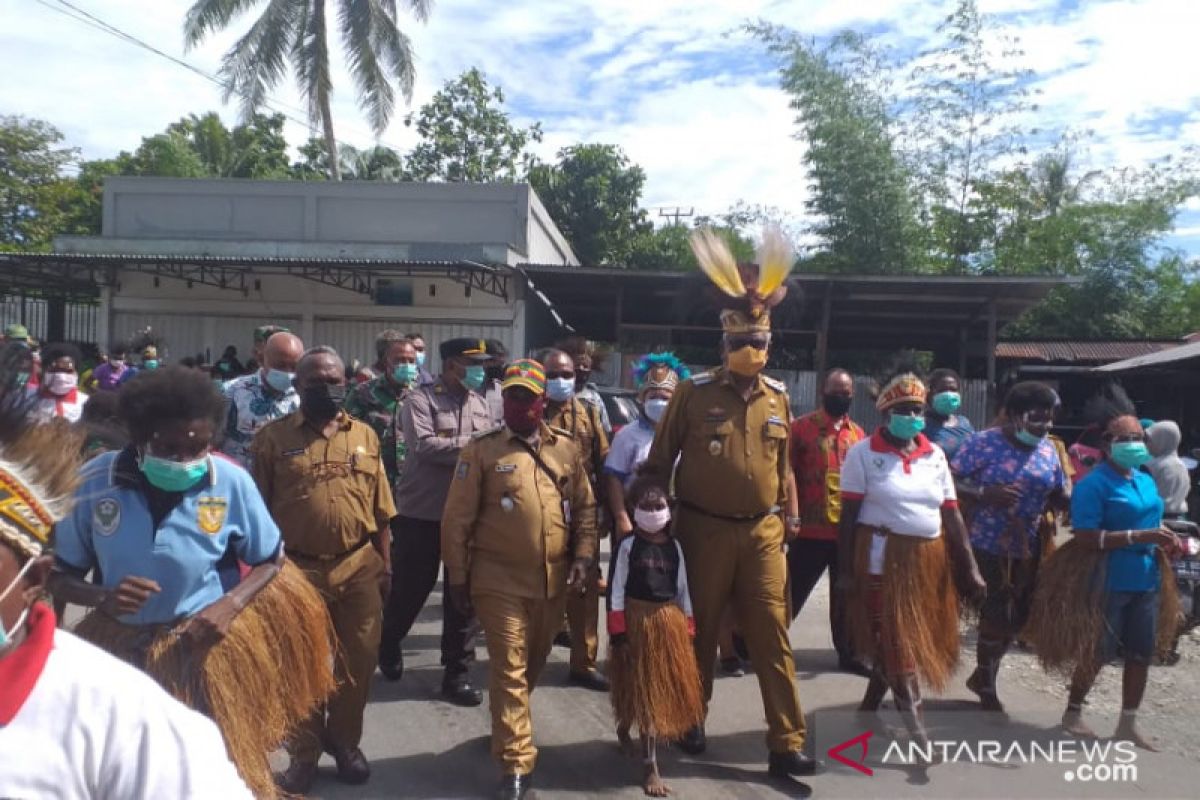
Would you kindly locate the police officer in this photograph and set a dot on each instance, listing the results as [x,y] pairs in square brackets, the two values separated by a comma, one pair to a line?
[729,428]
[322,476]
[518,534]
[438,420]
[565,411]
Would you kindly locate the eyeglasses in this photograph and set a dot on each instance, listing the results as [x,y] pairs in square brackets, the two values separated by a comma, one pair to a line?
[757,342]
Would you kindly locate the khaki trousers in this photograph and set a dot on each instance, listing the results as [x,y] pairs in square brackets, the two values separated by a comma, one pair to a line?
[350,588]
[520,632]
[743,564]
[583,621]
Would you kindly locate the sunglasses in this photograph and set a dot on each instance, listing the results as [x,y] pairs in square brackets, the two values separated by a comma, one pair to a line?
[757,342]
[562,373]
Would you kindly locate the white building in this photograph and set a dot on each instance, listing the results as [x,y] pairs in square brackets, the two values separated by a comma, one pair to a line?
[204,262]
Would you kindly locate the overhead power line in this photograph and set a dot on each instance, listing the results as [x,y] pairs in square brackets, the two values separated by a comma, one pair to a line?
[86,18]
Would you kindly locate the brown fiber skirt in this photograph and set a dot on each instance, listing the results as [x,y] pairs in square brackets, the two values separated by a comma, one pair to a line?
[655,681]
[258,683]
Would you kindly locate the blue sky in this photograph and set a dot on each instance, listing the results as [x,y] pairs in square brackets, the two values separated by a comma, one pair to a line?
[672,81]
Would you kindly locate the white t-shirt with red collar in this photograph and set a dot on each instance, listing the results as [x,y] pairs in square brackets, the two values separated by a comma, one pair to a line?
[77,723]
[904,493]
[48,406]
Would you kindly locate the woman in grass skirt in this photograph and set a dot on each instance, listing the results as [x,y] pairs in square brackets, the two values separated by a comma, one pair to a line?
[651,664]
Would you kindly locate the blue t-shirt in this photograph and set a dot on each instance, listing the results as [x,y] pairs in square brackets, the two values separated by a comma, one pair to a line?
[948,434]
[111,529]
[990,459]
[1106,500]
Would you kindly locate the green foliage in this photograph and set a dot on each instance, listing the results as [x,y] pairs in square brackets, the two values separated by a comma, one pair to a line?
[467,136]
[593,194]
[378,54]
[34,195]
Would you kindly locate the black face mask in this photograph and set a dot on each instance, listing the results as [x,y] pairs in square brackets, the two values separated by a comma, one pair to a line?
[495,373]
[322,402]
[836,405]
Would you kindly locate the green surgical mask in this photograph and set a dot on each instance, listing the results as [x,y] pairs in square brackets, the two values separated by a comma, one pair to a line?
[405,374]
[905,427]
[947,403]
[173,476]
[1129,455]
[474,377]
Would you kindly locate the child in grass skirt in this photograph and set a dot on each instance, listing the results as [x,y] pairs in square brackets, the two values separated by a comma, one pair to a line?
[651,664]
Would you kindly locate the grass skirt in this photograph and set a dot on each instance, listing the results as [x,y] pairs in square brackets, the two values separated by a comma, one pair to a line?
[916,624]
[655,680]
[258,684]
[1068,607]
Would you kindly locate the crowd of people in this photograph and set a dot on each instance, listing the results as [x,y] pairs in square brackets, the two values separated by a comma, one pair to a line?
[261,545]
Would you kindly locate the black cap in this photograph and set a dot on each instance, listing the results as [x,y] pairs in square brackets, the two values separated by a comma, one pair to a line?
[475,349]
[496,348]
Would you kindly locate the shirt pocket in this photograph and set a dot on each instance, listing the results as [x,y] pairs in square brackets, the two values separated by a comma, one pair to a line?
[714,437]
[445,423]
[773,437]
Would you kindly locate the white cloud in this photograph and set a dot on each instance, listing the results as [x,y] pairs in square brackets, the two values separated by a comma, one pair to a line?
[690,99]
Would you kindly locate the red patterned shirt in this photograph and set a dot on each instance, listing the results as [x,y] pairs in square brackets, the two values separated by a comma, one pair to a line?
[818,450]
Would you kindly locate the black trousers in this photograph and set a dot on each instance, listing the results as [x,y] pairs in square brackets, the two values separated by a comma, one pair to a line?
[807,561]
[416,556]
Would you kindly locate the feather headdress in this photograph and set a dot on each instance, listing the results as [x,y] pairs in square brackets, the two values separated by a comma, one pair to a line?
[754,288]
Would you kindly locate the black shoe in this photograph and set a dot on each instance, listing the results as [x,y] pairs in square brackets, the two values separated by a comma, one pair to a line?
[785,765]
[514,787]
[694,742]
[391,668]
[732,667]
[592,679]
[298,778]
[352,766]
[462,693]
[854,667]
[562,639]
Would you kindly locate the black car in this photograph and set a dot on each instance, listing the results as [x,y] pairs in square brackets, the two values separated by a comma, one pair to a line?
[621,405]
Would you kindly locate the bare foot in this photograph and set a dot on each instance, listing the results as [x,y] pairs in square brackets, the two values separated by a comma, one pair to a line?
[1129,733]
[626,745]
[1072,723]
[653,785]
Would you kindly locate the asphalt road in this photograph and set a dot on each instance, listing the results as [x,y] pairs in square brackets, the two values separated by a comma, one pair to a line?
[421,747]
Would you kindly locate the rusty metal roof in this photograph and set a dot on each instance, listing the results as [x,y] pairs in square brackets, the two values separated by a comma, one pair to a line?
[1099,352]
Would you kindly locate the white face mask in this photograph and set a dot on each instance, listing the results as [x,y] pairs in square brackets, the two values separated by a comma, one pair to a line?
[61,383]
[6,636]
[651,521]
[655,407]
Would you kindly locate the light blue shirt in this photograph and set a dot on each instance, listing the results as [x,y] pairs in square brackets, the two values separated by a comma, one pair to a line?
[111,530]
[1106,500]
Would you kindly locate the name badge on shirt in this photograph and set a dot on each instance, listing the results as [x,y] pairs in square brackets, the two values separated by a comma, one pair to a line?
[775,421]
[210,514]
[506,468]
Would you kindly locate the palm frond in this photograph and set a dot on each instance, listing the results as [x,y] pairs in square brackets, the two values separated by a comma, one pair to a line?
[717,262]
[210,16]
[359,20]
[258,60]
[310,57]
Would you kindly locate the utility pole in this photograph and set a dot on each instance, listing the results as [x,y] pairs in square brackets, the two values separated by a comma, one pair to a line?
[676,215]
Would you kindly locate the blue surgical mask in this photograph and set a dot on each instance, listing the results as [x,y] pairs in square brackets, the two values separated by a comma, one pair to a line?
[1129,455]
[405,374]
[150,363]
[655,407]
[6,635]
[947,403]
[560,390]
[1026,438]
[474,377]
[279,380]
[173,476]
[420,358]
[905,427]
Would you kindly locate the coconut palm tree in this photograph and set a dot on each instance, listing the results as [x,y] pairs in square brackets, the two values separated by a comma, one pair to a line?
[296,32]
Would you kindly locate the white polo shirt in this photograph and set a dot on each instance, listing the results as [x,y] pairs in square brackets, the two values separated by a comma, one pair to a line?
[903,493]
[95,728]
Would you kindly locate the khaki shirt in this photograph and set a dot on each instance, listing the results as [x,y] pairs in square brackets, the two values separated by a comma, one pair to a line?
[582,421]
[436,428]
[326,494]
[733,453]
[505,528]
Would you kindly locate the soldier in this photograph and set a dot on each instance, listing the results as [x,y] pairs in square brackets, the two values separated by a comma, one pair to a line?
[438,421]
[322,477]
[566,411]
[729,429]
[518,535]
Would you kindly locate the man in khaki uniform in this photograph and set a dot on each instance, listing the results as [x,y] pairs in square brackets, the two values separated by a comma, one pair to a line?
[567,412]
[518,533]
[729,430]
[322,476]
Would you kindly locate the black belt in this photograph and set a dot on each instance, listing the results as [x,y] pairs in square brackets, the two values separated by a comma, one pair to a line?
[729,517]
[326,556]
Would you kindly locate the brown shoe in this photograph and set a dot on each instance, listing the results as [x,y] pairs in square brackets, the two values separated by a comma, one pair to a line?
[298,778]
[352,766]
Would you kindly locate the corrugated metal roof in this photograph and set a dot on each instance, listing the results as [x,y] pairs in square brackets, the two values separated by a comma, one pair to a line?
[1161,358]
[1074,351]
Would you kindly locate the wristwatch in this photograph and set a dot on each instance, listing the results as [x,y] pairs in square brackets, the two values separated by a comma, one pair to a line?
[792,522]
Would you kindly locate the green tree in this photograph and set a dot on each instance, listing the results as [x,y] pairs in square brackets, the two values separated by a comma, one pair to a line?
[467,136]
[593,193]
[858,189]
[378,54]
[33,191]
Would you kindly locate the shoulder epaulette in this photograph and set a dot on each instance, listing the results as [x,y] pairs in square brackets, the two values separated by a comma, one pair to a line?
[777,385]
[561,432]
[488,432]
[703,378]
